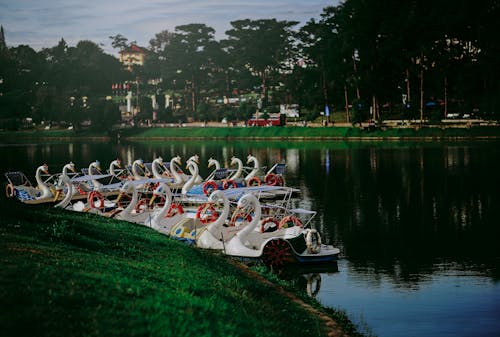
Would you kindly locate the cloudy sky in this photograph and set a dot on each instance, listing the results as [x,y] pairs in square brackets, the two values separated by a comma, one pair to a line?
[42,23]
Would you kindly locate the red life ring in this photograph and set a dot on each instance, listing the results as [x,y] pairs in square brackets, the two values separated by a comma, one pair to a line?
[229,184]
[285,222]
[254,181]
[174,209]
[93,195]
[239,215]
[209,187]
[80,190]
[207,213]
[265,221]
[141,206]
[271,179]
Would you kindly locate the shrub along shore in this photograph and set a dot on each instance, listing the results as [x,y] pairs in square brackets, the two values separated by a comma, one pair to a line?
[262,133]
[75,274]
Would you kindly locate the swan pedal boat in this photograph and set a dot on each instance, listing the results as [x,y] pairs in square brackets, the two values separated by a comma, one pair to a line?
[19,186]
[295,244]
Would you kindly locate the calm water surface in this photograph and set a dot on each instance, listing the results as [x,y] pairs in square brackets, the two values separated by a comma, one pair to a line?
[417,224]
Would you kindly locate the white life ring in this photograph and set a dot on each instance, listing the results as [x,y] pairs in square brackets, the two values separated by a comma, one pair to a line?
[313,241]
[10,191]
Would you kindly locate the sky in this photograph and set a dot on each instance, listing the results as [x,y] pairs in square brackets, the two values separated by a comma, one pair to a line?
[42,23]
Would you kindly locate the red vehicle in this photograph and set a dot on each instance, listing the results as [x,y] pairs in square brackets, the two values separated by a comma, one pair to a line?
[266,122]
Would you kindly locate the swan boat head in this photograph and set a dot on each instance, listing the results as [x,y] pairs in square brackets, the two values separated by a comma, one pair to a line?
[157,163]
[213,162]
[255,169]
[175,163]
[64,183]
[238,245]
[214,234]
[136,165]
[239,164]
[117,163]
[193,169]
[42,186]
[69,167]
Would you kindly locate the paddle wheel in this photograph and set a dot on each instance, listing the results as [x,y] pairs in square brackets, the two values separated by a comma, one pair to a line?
[277,253]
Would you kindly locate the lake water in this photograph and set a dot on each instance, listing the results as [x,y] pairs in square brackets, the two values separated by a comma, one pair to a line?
[417,223]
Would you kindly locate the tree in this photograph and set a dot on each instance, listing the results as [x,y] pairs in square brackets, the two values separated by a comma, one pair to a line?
[119,42]
[188,58]
[260,46]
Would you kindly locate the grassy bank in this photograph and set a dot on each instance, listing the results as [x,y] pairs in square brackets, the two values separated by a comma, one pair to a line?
[24,136]
[312,133]
[72,274]
[259,133]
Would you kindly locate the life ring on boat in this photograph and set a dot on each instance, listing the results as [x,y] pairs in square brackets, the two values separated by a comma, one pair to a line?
[229,184]
[290,221]
[174,209]
[10,191]
[81,191]
[254,181]
[271,179]
[206,213]
[141,206]
[209,187]
[92,196]
[239,216]
[269,228]
[313,241]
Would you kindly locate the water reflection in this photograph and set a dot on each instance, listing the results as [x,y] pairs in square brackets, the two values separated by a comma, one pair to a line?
[416,224]
[308,279]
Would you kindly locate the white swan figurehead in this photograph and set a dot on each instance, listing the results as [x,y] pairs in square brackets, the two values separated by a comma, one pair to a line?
[196,159]
[117,163]
[193,169]
[236,246]
[210,237]
[67,168]
[128,188]
[155,167]
[155,221]
[256,165]
[62,180]
[213,162]
[65,182]
[95,169]
[46,192]
[175,162]
[136,165]
[239,170]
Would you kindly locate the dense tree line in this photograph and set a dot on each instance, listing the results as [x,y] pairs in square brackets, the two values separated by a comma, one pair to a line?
[372,59]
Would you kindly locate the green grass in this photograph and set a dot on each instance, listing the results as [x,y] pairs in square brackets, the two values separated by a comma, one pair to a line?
[259,133]
[312,133]
[73,274]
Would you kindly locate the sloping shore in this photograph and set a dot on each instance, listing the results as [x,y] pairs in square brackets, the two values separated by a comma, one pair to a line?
[77,274]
